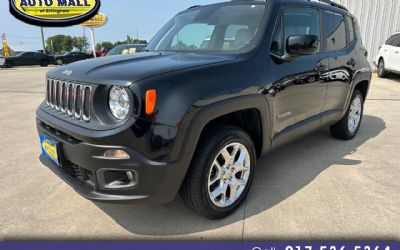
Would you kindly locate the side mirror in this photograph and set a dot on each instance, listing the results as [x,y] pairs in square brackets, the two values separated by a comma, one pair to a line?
[302,45]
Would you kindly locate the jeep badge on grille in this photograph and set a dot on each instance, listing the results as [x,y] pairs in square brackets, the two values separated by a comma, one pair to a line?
[67,72]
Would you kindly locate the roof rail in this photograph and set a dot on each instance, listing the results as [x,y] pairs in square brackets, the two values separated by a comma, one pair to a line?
[333,4]
[194,6]
[249,0]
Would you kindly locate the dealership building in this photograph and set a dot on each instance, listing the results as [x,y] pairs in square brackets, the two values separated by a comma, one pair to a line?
[378,20]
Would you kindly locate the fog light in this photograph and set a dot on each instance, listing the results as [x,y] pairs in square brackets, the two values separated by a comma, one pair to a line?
[116,154]
[117,179]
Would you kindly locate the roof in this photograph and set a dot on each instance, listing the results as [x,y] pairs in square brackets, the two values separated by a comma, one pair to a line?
[327,4]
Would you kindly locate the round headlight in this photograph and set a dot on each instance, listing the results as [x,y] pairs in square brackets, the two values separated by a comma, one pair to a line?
[119,102]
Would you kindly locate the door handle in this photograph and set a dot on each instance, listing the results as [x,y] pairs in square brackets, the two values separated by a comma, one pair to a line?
[396,52]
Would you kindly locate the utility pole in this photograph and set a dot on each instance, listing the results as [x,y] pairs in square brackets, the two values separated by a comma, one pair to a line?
[84,36]
[43,44]
[93,42]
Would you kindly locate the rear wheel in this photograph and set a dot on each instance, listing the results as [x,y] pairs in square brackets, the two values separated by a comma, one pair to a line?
[381,69]
[59,62]
[347,128]
[221,173]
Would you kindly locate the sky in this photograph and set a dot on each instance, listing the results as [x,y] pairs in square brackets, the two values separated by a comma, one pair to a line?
[141,18]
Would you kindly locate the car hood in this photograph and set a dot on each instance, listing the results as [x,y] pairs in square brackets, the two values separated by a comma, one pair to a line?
[126,69]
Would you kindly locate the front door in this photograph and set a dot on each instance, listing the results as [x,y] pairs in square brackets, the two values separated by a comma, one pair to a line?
[74,57]
[298,88]
[28,58]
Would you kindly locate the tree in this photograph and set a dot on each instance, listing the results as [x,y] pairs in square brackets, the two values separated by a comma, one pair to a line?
[107,45]
[80,43]
[130,40]
[59,44]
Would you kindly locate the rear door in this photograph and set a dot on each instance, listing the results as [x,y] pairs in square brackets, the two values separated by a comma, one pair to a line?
[298,89]
[34,59]
[339,35]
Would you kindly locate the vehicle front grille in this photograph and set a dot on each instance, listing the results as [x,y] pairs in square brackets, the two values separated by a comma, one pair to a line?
[69,98]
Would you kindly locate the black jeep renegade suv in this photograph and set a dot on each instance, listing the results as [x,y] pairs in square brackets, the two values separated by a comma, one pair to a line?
[219,86]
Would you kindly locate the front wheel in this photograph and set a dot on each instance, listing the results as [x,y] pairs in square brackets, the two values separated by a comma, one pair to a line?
[221,173]
[347,128]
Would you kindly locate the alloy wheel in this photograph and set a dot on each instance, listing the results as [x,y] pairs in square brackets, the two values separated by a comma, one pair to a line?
[355,114]
[229,175]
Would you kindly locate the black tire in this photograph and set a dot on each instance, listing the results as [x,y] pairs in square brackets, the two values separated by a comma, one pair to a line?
[341,129]
[194,190]
[382,73]
[9,64]
[59,62]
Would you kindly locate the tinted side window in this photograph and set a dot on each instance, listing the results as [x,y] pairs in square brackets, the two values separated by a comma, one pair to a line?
[352,34]
[397,41]
[390,41]
[300,21]
[394,40]
[335,31]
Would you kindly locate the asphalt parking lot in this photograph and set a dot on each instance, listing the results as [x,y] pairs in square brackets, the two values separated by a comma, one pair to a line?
[316,188]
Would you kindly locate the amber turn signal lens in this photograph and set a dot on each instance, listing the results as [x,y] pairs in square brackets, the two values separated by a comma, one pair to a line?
[151,100]
[112,154]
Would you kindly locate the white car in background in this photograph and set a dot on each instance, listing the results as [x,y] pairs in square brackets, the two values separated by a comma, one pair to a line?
[388,58]
[2,61]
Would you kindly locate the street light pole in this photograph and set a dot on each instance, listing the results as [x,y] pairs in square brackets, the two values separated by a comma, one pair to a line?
[84,35]
[93,42]
[43,44]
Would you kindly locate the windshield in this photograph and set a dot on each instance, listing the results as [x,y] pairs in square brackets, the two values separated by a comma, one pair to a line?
[215,28]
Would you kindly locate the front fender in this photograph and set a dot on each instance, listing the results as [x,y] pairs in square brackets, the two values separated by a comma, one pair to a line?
[197,118]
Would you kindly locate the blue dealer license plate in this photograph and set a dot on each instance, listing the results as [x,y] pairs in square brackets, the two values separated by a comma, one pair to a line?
[49,148]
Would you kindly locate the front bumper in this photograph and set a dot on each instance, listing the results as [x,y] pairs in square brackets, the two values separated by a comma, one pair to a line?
[80,167]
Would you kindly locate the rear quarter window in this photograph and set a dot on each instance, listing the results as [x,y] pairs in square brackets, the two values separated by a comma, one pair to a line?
[352,33]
